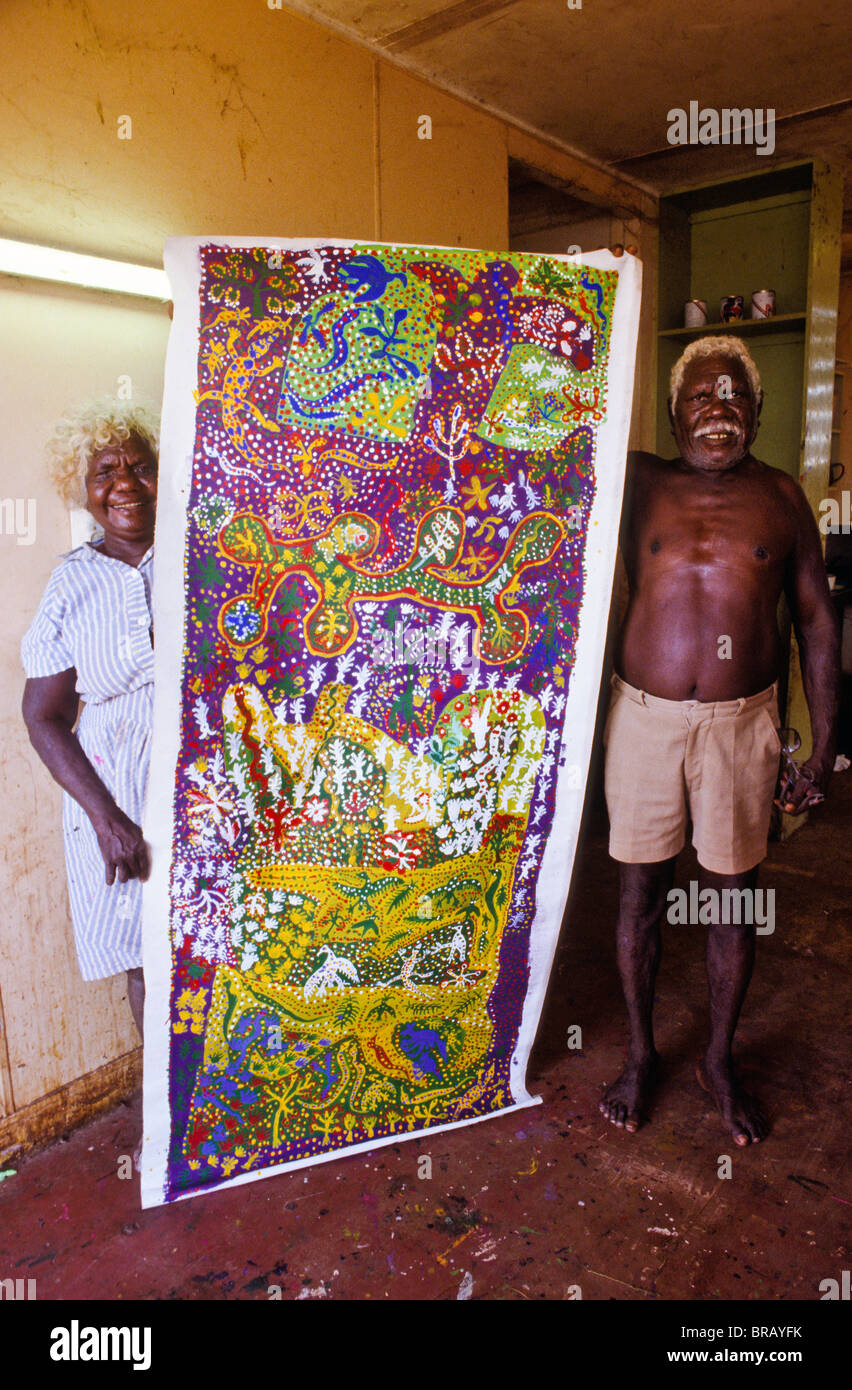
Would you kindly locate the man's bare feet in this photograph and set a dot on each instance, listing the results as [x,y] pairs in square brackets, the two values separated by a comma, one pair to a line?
[625,1102]
[739,1111]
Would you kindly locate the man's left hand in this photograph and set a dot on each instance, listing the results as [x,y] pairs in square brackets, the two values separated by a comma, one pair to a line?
[807,790]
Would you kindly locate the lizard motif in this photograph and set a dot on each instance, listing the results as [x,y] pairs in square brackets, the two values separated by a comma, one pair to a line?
[333,562]
[234,396]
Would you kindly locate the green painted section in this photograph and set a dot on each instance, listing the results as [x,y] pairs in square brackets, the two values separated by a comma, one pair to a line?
[780,361]
[823,294]
[760,246]
[826,216]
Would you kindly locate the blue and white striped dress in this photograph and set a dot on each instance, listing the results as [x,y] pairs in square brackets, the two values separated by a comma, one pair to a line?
[96,617]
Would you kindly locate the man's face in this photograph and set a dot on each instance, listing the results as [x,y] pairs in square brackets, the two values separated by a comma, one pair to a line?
[715,419]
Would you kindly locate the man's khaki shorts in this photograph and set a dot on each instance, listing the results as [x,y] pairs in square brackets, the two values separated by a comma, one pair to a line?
[667,760]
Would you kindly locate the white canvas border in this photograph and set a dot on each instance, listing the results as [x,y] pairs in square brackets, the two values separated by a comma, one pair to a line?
[578,727]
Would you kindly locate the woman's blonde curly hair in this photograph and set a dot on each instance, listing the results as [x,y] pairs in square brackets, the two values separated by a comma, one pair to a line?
[82,432]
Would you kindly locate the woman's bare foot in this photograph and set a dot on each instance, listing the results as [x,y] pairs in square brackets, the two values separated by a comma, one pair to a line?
[739,1111]
[625,1102]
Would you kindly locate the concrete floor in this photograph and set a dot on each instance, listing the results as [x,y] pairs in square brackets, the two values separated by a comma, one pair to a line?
[530,1205]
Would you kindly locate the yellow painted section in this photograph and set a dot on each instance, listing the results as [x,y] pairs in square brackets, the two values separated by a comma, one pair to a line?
[244,120]
[443,169]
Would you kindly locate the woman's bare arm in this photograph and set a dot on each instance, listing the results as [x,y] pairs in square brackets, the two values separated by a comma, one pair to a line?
[50,710]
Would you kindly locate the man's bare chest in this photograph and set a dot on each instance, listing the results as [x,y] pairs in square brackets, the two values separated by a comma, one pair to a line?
[736,526]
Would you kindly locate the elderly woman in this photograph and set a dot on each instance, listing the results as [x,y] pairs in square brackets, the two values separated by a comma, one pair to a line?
[92,640]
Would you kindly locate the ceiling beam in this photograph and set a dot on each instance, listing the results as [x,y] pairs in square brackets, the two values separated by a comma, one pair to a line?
[834,108]
[544,153]
[434,26]
[588,183]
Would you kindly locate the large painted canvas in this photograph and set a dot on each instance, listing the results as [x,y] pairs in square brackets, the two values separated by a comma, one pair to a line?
[390,487]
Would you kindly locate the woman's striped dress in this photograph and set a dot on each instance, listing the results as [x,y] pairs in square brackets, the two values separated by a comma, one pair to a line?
[96,617]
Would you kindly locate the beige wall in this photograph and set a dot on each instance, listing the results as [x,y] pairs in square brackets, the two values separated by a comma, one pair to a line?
[245,120]
[450,190]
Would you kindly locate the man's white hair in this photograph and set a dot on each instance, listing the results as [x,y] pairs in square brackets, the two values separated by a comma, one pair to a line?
[733,348]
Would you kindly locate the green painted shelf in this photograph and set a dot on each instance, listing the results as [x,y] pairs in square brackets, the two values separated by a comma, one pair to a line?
[779,323]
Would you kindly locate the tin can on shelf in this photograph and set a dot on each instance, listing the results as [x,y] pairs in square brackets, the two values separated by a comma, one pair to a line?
[731,307]
[694,313]
[762,304]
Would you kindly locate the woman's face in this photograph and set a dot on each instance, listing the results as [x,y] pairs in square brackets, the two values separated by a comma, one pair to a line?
[121,490]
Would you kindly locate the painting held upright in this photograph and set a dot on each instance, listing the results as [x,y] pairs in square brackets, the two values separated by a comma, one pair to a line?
[391,479]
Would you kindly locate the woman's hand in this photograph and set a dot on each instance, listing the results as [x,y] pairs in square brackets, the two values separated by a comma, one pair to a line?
[122,846]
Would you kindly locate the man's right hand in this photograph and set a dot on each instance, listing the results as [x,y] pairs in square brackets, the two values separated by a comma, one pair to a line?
[122,846]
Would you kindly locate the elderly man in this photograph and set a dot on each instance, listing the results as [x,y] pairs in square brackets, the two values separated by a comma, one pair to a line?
[710,541]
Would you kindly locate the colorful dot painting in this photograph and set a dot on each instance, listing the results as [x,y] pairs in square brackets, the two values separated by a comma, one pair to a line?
[393,468]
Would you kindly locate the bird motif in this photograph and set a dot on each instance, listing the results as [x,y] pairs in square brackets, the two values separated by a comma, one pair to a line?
[336,972]
[366,278]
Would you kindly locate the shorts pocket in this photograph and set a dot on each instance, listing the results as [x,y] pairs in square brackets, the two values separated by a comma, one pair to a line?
[613,702]
[771,723]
